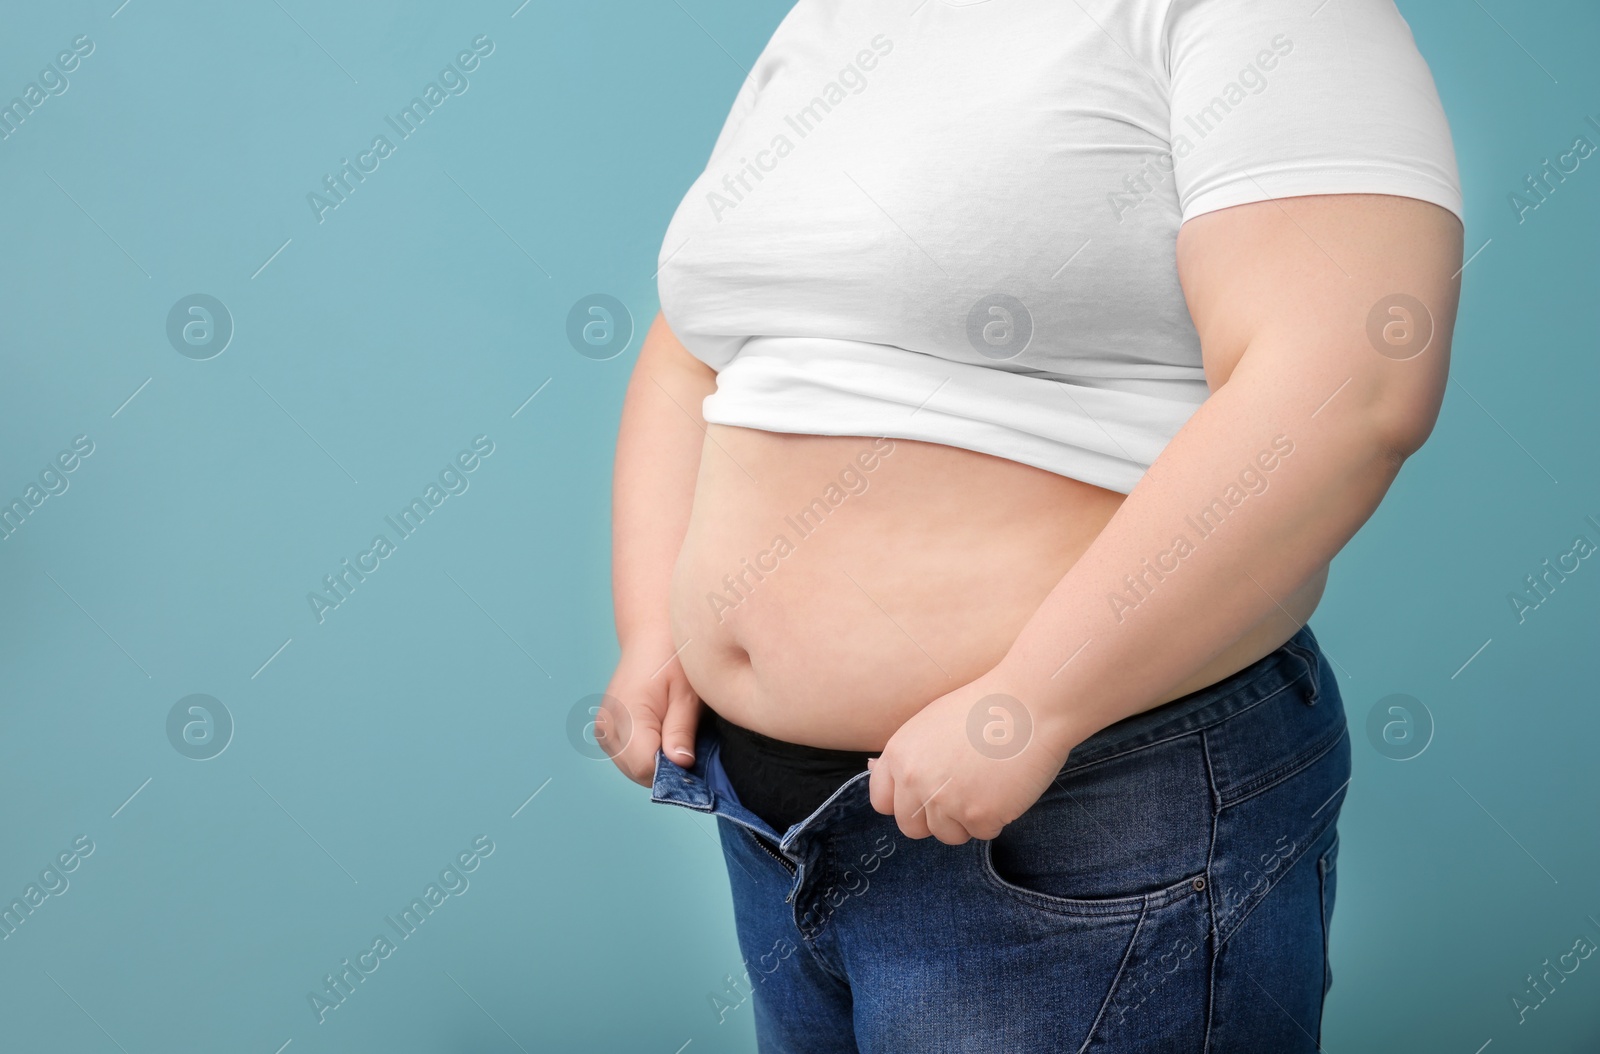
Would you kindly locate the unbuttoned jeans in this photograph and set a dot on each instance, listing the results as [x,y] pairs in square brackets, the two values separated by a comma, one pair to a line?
[1171,891]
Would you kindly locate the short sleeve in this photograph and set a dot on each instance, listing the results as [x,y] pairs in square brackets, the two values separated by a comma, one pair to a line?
[1273,99]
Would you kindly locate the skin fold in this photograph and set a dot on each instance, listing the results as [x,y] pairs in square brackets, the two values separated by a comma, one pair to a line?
[947,576]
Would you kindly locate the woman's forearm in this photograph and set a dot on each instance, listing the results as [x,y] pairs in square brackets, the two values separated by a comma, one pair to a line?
[658,457]
[1246,504]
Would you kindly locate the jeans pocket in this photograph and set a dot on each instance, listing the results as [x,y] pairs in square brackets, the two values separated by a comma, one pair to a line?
[1101,839]
[1114,972]
[1131,904]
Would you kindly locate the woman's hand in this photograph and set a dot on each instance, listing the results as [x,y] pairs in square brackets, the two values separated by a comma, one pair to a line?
[649,705]
[969,763]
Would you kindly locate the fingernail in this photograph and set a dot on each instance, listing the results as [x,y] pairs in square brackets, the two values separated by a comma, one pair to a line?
[869,763]
[683,753]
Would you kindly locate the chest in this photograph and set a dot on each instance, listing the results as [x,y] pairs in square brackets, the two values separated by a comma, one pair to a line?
[893,176]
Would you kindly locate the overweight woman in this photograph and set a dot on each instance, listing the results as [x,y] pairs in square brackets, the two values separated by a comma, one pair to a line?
[1021,367]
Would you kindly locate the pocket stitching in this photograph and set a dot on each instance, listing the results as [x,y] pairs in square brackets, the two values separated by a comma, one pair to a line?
[1111,991]
[1093,907]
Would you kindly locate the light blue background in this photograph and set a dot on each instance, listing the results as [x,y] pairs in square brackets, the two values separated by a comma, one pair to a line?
[425,711]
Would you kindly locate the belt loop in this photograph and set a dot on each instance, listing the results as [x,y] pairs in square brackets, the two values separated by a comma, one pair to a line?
[1308,656]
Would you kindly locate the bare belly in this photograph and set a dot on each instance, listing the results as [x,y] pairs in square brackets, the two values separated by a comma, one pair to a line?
[829,587]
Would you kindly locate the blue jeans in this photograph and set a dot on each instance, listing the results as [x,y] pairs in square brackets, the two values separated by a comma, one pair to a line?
[1171,891]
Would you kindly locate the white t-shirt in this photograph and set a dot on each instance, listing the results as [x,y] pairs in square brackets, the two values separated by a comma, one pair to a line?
[956,221]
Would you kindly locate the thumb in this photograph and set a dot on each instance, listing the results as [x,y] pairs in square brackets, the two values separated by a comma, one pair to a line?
[678,726]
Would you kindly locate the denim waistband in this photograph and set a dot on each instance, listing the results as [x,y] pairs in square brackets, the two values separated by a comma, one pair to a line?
[1296,658]
[704,787]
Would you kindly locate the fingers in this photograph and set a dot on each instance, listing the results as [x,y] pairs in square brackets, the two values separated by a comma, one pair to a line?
[638,760]
[915,815]
[880,786]
[609,726]
[934,815]
[947,830]
[630,737]
[985,833]
[678,727]
[908,811]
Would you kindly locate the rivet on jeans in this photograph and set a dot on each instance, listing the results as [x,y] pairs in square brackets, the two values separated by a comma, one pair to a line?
[1199,883]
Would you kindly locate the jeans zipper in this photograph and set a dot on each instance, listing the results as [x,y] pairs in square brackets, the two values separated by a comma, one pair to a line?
[785,861]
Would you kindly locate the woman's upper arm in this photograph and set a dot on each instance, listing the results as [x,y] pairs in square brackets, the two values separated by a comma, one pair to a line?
[1336,299]
[1319,202]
